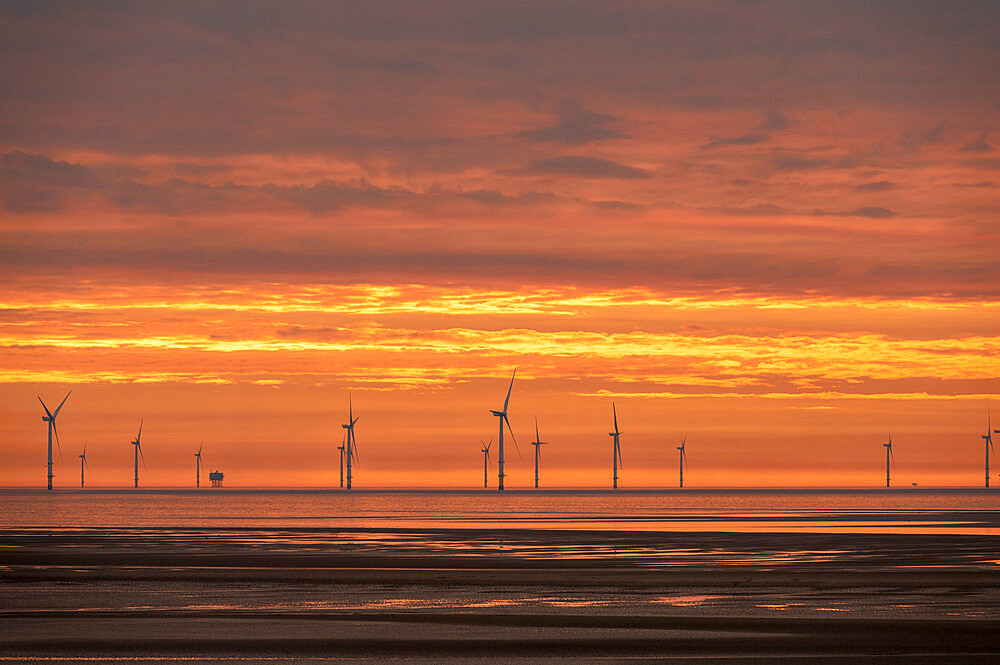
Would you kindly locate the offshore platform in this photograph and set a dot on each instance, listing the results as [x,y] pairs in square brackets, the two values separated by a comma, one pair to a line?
[216,478]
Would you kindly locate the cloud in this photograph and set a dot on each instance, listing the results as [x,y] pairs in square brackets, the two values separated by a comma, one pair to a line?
[29,183]
[327,195]
[982,184]
[749,210]
[42,170]
[746,139]
[797,163]
[775,121]
[978,145]
[576,126]
[879,186]
[872,212]
[408,66]
[31,201]
[791,161]
[581,167]
[916,139]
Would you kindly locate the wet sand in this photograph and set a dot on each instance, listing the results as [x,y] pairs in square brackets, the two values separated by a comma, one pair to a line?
[456,595]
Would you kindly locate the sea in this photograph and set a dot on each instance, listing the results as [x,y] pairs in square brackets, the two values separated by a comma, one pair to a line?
[484,514]
[906,552]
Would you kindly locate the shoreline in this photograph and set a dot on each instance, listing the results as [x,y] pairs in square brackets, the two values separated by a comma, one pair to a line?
[522,491]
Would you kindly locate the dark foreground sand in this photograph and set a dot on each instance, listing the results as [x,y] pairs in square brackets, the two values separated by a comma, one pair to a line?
[764,598]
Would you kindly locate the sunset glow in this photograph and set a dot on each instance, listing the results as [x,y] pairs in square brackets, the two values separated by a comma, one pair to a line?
[777,234]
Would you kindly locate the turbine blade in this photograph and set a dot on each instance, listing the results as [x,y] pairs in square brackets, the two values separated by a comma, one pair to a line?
[55,431]
[61,404]
[620,465]
[509,388]
[139,435]
[141,456]
[614,411]
[47,412]
[537,438]
[513,438]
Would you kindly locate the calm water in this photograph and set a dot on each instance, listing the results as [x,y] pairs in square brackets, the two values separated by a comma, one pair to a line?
[803,532]
[821,511]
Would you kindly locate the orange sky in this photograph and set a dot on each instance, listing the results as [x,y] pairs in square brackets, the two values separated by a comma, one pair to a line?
[773,229]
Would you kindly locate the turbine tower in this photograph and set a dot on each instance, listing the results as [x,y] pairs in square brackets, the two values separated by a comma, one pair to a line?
[538,446]
[341,449]
[50,418]
[996,431]
[683,458]
[988,438]
[486,462]
[616,453]
[197,467]
[83,462]
[137,453]
[502,415]
[351,453]
[888,456]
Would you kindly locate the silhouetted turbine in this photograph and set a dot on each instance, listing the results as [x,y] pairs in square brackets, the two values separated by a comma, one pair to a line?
[616,453]
[83,462]
[50,418]
[351,454]
[683,458]
[538,447]
[486,462]
[888,456]
[341,448]
[502,415]
[988,437]
[137,453]
[197,466]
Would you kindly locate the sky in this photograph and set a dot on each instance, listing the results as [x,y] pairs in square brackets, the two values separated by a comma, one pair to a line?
[770,227]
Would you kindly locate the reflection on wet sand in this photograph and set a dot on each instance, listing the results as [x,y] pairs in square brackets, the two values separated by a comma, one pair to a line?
[628,576]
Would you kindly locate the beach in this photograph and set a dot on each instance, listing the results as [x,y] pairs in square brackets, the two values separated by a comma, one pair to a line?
[472,594]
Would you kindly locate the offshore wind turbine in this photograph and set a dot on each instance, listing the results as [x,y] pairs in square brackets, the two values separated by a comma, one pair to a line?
[50,418]
[888,456]
[538,446]
[683,458]
[197,467]
[502,415]
[83,462]
[351,452]
[988,438]
[616,453]
[341,449]
[137,453]
[486,462]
